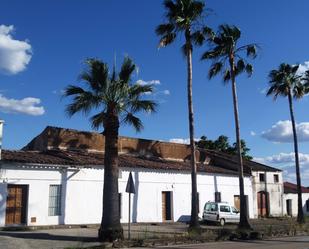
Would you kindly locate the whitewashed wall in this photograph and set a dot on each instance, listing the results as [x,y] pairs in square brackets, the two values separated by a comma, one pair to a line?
[294,198]
[82,193]
[275,191]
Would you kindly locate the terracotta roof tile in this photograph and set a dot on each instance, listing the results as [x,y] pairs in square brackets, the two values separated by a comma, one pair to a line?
[80,158]
[291,188]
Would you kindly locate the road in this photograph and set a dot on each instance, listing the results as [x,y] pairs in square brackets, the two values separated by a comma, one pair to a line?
[87,237]
[278,243]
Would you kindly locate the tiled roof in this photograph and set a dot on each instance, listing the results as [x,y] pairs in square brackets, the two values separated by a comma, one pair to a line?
[248,165]
[87,159]
[291,188]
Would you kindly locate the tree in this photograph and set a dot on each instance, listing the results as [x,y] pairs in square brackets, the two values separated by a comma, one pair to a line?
[226,59]
[183,18]
[287,82]
[222,144]
[117,101]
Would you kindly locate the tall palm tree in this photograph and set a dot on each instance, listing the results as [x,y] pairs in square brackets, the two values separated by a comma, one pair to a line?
[117,100]
[226,58]
[287,82]
[183,18]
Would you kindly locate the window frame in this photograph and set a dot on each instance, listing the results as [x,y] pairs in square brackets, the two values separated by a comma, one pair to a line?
[276,178]
[54,200]
[262,175]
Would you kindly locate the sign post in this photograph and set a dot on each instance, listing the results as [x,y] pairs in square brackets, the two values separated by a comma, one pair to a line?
[131,190]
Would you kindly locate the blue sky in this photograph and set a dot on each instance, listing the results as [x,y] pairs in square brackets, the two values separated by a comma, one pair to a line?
[43,45]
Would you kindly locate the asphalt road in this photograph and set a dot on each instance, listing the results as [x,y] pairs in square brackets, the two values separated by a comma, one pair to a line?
[278,243]
[86,237]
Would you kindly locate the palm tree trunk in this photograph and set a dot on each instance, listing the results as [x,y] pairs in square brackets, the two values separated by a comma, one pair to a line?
[244,220]
[110,228]
[194,215]
[300,215]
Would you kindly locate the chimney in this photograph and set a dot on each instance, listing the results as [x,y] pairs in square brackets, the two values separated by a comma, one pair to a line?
[1,134]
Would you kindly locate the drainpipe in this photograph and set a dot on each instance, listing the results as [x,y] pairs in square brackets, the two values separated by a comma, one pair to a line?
[1,134]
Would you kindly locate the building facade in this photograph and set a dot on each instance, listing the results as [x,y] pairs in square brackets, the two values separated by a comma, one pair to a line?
[58,179]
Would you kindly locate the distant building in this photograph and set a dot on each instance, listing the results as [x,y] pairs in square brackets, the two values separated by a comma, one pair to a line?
[58,179]
[291,198]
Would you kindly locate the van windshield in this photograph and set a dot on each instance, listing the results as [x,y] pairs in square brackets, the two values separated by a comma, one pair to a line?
[210,207]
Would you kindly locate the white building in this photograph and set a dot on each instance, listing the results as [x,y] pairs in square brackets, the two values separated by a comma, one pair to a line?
[290,202]
[58,179]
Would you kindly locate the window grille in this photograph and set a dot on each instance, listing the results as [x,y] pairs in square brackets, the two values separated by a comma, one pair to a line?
[54,204]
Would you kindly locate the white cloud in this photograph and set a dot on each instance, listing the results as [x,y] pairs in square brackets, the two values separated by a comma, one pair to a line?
[281,132]
[252,133]
[286,162]
[58,92]
[166,92]
[150,82]
[25,106]
[303,67]
[263,90]
[182,140]
[284,159]
[14,54]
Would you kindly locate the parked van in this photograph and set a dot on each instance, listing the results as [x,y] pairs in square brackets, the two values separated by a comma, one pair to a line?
[220,212]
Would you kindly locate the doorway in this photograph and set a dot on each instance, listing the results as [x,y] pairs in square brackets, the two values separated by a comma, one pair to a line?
[289,207]
[237,202]
[263,204]
[16,204]
[167,206]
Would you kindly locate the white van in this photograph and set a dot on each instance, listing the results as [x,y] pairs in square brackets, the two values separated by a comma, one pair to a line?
[220,212]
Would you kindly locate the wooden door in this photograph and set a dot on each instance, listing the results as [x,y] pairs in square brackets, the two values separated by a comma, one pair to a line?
[167,206]
[163,206]
[262,199]
[237,202]
[16,204]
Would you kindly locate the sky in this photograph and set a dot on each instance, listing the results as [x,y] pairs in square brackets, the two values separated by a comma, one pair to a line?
[43,45]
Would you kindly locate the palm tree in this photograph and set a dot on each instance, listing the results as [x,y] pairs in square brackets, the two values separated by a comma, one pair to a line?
[117,101]
[183,17]
[226,59]
[287,82]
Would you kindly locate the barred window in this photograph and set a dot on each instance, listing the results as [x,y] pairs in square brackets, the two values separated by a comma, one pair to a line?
[54,206]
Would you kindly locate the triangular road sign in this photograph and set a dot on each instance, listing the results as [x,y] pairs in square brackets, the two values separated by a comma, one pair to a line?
[130,185]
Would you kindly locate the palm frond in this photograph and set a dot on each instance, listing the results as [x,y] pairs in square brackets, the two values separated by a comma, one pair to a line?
[226,76]
[83,102]
[130,119]
[212,54]
[214,69]
[137,90]
[96,74]
[251,51]
[198,38]
[164,29]
[98,120]
[240,66]
[249,69]
[72,90]
[167,39]
[127,68]
[148,106]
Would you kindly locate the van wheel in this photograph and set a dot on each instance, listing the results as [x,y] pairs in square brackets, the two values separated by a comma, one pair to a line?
[222,222]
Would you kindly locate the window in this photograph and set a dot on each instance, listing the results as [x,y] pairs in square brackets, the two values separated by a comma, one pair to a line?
[307,205]
[209,207]
[235,211]
[225,209]
[262,177]
[217,196]
[276,178]
[54,205]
